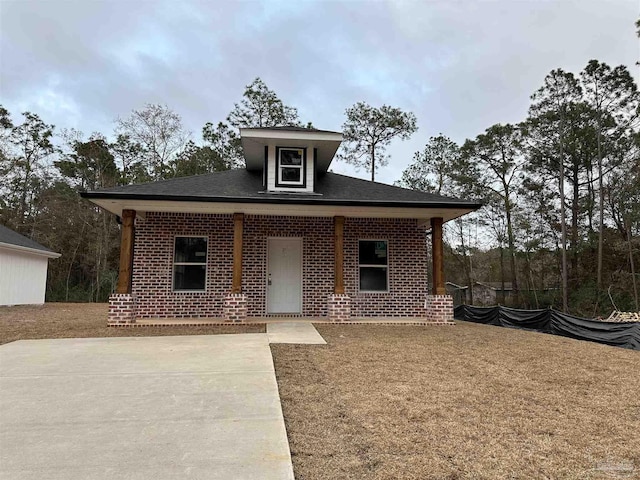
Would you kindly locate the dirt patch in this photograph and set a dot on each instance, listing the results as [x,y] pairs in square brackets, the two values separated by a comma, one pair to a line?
[80,320]
[470,401]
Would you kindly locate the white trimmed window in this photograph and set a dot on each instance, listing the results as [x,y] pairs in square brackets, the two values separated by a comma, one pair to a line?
[290,166]
[190,264]
[373,265]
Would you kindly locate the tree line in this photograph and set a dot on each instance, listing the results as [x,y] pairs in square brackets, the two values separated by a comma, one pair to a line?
[561,189]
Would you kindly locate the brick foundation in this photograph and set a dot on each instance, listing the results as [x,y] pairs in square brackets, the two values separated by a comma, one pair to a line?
[234,307]
[439,309]
[122,309]
[339,308]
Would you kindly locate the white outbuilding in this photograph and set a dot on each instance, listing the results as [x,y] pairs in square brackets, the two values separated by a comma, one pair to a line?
[23,269]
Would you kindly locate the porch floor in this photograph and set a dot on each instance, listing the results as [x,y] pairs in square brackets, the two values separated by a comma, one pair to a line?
[159,322]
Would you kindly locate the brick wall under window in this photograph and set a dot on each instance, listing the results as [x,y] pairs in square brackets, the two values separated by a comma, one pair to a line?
[153,257]
[407,267]
[153,265]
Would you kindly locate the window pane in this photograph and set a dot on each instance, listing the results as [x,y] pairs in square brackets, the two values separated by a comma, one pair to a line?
[290,157]
[373,279]
[373,252]
[189,277]
[291,174]
[191,249]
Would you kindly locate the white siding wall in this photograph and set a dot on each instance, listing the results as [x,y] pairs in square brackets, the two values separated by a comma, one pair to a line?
[271,168]
[23,278]
[271,172]
[310,186]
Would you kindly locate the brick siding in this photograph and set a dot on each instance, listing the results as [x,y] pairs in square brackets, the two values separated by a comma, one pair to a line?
[121,309]
[234,307]
[153,265]
[439,309]
[339,308]
[153,257]
[317,260]
[407,267]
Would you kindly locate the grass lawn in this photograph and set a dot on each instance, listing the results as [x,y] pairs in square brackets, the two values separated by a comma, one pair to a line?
[470,401]
[80,320]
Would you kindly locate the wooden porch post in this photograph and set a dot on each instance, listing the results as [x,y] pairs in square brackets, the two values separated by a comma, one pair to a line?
[126,251]
[437,250]
[238,223]
[338,237]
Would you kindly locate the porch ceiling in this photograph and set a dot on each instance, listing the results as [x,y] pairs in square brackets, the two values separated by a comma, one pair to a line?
[141,206]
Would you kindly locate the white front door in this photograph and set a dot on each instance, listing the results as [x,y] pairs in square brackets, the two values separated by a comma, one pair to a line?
[284,275]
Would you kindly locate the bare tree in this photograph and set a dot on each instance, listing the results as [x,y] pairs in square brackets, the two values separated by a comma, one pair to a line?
[159,131]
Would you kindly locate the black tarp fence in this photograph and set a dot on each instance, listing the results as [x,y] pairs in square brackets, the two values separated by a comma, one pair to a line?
[623,334]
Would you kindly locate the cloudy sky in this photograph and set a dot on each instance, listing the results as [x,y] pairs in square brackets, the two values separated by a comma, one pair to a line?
[459,65]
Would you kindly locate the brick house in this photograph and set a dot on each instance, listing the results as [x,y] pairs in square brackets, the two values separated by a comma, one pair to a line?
[282,237]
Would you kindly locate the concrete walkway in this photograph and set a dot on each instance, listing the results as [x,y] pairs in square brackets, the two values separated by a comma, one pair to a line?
[140,408]
[294,332]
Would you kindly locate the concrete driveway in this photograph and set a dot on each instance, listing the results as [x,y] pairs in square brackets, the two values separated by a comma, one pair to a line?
[204,407]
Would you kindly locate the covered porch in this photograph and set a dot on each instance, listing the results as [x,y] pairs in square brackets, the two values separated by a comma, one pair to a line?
[435,307]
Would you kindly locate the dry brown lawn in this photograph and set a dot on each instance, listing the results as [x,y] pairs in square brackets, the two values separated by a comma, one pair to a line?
[407,402]
[464,402]
[80,320]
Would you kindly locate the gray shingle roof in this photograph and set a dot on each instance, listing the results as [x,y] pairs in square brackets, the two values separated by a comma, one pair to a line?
[244,186]
[14,238]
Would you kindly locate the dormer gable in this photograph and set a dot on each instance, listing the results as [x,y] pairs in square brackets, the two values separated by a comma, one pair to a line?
[290,158]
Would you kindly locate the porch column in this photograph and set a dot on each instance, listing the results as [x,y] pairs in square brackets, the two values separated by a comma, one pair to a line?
[438,306]
[122,308]
[338,241]
[339,303]
[234,304]
[238,223]
[437,250]
[126,251]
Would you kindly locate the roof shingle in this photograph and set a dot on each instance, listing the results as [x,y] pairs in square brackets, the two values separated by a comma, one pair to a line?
[243,185]
[11,237]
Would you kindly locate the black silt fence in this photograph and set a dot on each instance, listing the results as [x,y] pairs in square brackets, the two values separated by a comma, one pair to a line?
[623,334]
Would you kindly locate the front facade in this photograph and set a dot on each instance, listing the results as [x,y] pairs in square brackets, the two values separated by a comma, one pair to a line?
[282,238]
[23,269]
[287,265]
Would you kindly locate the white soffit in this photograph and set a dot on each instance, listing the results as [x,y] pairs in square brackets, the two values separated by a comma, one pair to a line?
[142,206]
[255,139]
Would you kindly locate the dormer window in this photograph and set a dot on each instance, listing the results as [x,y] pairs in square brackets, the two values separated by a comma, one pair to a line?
[290,158]
[291,167]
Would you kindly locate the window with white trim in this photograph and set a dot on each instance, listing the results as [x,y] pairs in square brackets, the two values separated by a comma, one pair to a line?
[373,265]
[190,264]
[290,166]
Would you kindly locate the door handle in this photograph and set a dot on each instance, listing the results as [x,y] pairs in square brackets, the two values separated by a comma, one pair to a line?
[269,280]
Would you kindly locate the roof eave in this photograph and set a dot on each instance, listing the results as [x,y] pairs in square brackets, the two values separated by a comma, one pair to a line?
[291,134]
[35,251]
[279,200]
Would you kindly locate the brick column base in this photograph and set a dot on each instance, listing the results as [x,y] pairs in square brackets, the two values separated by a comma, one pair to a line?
[122,309]
[339,308]
[234,307]
[439,309]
